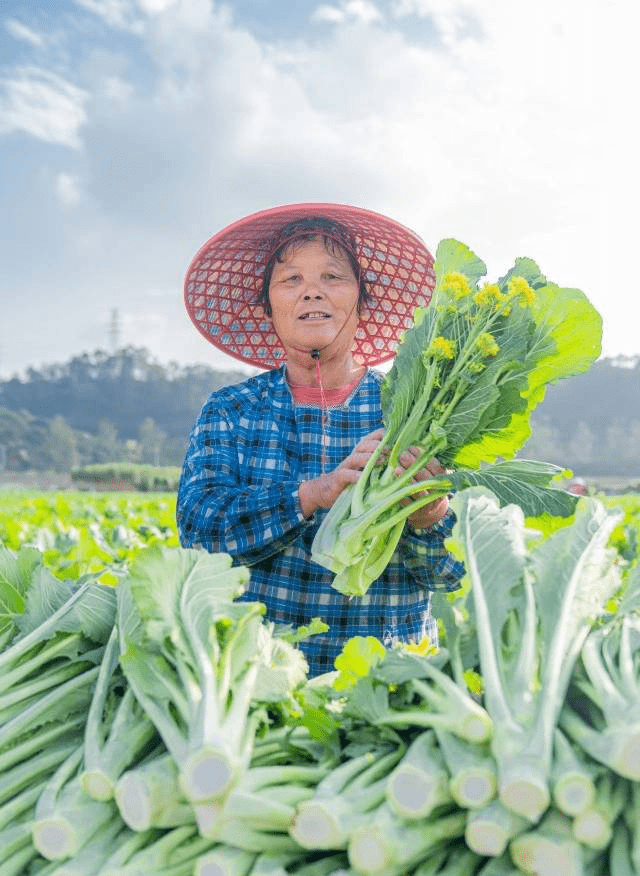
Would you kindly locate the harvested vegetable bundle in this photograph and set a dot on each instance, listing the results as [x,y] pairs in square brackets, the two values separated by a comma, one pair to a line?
[189,653]
[52,638]
[464,382]
[602,712]
[201,664]
[533,610]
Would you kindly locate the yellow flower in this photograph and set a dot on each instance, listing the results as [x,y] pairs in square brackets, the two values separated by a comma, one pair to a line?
[423,647]
[517,287]
[487,345]
[456,284]
[441,348]
[488,295]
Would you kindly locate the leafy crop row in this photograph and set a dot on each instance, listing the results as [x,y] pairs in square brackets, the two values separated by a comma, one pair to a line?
[81,533]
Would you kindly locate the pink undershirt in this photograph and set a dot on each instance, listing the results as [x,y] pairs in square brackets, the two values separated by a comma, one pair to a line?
[313,395]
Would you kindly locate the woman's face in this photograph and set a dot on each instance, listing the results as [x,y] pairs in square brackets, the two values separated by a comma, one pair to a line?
[314,299]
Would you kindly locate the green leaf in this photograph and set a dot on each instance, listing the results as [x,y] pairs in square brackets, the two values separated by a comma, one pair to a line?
[160,576]
[321,724]
[523,482]
[492,541]
[454,256]
[534,603]
[568,337]
[400,665]
[315,627]
[528,270]
[405,382]
[359,654]
[16,572]
[368,701]
[93,614]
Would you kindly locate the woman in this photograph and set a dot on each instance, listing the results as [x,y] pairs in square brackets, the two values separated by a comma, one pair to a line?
[317,293]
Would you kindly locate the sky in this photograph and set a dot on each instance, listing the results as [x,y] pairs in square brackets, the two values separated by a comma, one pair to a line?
[131,131]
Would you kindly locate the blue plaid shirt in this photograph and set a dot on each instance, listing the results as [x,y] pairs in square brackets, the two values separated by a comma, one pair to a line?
[249,451]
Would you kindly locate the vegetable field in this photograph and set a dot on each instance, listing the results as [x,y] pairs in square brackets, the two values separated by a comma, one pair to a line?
[161,726]
[80,533]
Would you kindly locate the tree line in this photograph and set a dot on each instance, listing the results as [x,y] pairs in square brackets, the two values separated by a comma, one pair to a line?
[125,406]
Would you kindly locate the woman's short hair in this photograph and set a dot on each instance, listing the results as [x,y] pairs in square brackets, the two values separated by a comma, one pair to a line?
[336,239]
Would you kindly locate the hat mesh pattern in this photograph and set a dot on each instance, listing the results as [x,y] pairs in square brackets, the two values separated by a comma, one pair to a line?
[224,280]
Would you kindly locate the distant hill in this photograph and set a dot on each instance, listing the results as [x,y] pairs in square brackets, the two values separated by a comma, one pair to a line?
[121,388]
[122,405]
[592,422]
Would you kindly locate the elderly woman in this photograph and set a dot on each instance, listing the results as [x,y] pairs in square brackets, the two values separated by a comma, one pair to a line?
[317,293]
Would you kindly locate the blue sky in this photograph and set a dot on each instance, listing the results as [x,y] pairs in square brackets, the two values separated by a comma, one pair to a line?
[133,130]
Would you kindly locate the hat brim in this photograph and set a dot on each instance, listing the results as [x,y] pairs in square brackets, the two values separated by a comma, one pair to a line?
[224,279]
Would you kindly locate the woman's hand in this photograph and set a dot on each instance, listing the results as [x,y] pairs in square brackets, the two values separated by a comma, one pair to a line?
[434,511]
[322,492]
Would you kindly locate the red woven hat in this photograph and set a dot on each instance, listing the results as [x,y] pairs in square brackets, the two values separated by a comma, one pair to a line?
[224,280]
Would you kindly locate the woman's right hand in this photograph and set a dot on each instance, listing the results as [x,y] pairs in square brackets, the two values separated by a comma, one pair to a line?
[322,492]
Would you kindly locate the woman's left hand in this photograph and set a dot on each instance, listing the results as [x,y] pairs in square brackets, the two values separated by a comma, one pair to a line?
[433,511]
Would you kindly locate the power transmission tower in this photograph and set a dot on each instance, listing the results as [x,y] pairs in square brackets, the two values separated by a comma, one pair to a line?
[114,330]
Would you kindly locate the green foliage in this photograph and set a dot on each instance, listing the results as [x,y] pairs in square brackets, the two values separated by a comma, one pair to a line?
[146,478]
[81,533]
[124,387]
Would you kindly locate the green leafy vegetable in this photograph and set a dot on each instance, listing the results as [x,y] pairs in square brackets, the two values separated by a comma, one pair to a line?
[117,730]
[405,760]
[65,817]
[149,795]
[388,847]
[409,690]
[603,715]
[533,611]
[189,653]
[343,800]
[420,782]
[462,388]
[490,828]
[548,849]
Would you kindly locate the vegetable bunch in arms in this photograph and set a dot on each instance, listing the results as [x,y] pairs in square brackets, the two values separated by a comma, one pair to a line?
[463,385]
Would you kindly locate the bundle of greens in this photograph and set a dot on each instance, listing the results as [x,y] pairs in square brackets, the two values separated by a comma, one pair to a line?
[190,654]
[465,380]
[343,800]
[533,607]
[52,643]
[602,711]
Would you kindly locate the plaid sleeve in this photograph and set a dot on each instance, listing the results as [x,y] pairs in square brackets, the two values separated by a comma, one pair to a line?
[426,558]
[217,512]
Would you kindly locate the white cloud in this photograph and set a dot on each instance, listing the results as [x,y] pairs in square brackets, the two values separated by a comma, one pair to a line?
[510,130]
[455,21]
[351,10]
[42,104]
[68,188]
[156,7]
[21,32]
[116,90]
[121,14]
[330,14]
